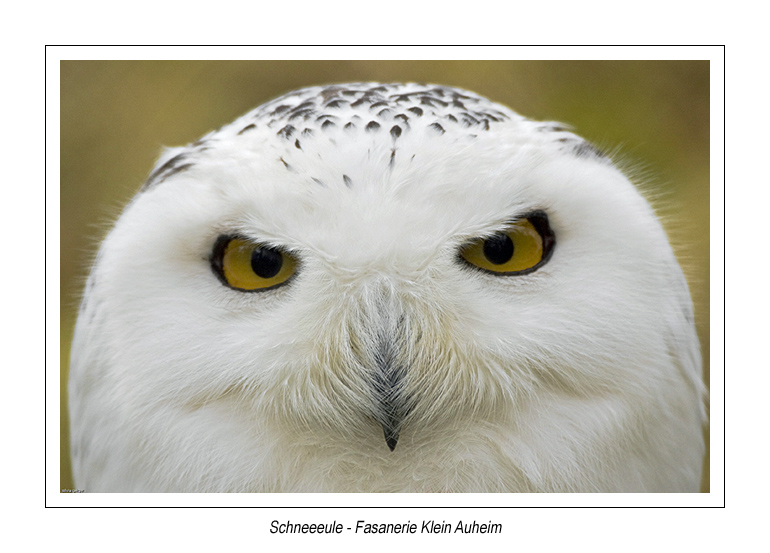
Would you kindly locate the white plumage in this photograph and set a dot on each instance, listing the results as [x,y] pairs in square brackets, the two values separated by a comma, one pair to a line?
[448,297]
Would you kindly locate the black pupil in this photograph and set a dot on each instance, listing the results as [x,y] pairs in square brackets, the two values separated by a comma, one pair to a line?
[266,262]
[498,249]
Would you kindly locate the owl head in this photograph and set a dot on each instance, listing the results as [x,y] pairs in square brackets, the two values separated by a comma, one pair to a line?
[386,287]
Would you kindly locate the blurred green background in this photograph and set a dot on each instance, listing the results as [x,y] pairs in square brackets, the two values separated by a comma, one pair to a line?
[117,115]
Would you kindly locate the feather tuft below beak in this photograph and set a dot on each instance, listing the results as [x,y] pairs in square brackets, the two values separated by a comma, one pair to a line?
[388,383]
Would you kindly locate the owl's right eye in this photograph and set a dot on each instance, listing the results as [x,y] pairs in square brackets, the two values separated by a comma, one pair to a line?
[251,267]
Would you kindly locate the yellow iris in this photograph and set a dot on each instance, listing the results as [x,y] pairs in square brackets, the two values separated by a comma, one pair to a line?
[513,251]
[249,266]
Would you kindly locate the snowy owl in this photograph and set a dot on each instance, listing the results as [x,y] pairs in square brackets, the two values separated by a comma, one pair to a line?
[386,288]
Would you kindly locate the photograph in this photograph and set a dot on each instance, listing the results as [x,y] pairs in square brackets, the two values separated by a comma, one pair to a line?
[386,276]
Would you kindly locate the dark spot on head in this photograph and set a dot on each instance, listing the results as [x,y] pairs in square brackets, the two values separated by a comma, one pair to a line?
[304,113]
[247,128]
[318,181]
[304,105]
[331,92]
[552,127]
[372,126]
[171,167]
[417,111]
[403,117]
[392,158]
[378,104]
[333,104]
[175,170]
[586,149]
[307,132]
[437,127]
[170,164]
[348,182]
[395,131]
[280,109]
[296,144]
[286,132]
[327,124]
[442,103]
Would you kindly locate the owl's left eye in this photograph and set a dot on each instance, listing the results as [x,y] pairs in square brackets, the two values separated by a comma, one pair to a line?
[522,248]
[251,267]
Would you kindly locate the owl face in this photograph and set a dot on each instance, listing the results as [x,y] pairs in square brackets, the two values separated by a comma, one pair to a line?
[373,281]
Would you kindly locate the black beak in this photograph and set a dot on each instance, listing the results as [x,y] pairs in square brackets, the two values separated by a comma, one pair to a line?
[391,436]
